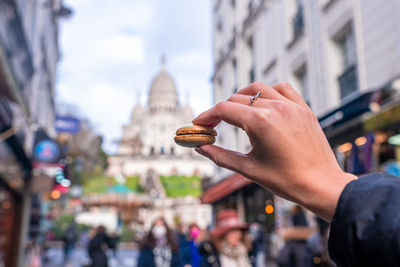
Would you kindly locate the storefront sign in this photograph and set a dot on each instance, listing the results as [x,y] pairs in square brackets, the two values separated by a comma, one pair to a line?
[381,120]
[66,125]
[47,151]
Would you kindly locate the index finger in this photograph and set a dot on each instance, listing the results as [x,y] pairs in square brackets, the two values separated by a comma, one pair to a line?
[230,112]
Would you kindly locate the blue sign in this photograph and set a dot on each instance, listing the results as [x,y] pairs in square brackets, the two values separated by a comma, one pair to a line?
[67,125]
[47,151]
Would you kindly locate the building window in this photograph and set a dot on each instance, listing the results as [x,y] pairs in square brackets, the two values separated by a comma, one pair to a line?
[347,78]
[302,83]
[251,56]
[217,5]
[298,21]
[348,81]
[250,5]
[252,75]
[219,26]
[234,66]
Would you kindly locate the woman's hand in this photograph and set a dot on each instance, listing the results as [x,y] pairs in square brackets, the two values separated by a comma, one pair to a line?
[290,154]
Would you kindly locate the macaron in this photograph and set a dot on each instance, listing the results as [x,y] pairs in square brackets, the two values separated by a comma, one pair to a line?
[195,136]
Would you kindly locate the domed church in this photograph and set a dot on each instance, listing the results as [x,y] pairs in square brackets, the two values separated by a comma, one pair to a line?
[153,128]
[147,142]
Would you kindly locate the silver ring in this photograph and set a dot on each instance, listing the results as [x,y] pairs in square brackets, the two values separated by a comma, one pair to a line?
[254,98]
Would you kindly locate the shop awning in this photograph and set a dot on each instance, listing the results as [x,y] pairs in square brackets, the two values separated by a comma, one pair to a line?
[224,188]
[350,110]
[345,122]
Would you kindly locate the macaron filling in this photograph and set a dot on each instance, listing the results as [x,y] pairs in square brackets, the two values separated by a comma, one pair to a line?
[195,134]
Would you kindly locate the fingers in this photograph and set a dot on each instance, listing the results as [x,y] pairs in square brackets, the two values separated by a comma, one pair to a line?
[266,91]
[230,112]
[245,100]
[225,158]
[279,91]
[287,91]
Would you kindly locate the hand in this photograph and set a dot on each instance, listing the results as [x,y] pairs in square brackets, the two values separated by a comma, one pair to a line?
[290,154]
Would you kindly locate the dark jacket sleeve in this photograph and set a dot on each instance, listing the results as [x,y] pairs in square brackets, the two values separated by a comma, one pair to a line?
[365,230]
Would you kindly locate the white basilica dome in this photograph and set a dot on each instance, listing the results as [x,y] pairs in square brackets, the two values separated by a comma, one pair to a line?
[163,95]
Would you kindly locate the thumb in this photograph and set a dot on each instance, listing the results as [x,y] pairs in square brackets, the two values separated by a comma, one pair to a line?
[225,158]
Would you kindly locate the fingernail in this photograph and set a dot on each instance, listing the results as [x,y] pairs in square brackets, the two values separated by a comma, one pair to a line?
[202,152]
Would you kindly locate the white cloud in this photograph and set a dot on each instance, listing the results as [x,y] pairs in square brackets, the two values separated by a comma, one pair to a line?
[122,48]
[111,50]
[192,58]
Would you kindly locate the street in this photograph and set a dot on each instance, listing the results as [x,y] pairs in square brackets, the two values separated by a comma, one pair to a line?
[79,258]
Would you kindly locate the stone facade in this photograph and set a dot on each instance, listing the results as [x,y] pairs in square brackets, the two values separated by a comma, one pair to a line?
[331,51]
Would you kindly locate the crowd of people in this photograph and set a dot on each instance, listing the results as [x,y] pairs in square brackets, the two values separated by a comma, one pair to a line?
[229,243]
[233,242]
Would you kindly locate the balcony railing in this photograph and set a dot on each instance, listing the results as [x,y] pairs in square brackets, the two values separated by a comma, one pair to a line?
[348,81]
[298,22]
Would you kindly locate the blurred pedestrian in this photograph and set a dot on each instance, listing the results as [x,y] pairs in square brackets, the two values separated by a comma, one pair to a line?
[33,253]
[292,254]
[229,244]
[316,252]
[69,239]
[184,245]
[98,246]
[193,237]
[259,245]
[159,248]
[47,246]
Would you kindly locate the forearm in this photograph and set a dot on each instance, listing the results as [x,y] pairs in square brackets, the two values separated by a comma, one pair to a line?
[323,196]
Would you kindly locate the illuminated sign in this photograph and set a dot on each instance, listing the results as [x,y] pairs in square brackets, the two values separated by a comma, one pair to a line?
[47,151]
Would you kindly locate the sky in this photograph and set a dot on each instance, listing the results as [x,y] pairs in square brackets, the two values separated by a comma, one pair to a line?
[111,51]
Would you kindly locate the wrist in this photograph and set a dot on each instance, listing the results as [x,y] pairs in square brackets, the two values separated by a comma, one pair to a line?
[323,196]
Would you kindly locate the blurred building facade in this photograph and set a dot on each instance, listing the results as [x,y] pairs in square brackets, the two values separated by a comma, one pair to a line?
[331,51]
[342,56]
[28,58]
